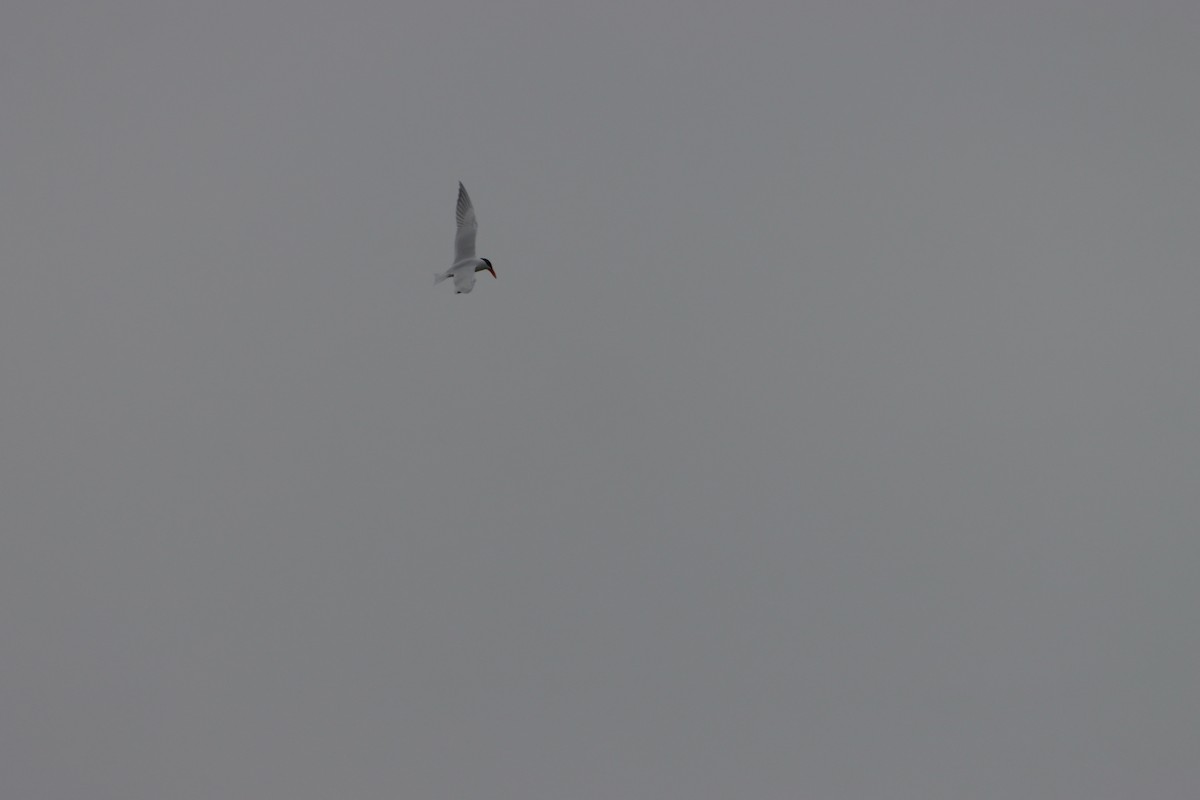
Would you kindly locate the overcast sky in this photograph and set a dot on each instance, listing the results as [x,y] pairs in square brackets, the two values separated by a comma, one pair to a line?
[830,432]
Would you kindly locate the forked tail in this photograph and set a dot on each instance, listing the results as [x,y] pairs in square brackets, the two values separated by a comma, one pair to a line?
[438,277]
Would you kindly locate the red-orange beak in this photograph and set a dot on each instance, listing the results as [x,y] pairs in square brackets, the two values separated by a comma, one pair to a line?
[491,270]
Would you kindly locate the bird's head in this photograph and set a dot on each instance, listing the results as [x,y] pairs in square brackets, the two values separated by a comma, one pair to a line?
[486,265]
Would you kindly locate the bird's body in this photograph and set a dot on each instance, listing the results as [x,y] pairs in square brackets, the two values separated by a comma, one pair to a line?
[465,263]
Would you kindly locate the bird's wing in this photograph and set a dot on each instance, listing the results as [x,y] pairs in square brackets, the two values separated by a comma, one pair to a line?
[464,236]
[464,280]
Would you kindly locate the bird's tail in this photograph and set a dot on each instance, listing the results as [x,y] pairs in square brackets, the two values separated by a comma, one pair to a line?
[438,277]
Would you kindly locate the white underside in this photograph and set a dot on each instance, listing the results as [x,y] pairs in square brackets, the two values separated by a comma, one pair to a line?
[463,274]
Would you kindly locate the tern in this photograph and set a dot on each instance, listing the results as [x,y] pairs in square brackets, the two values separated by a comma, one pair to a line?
[465,262]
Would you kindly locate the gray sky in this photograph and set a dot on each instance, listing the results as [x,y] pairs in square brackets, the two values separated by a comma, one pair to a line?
[830,431]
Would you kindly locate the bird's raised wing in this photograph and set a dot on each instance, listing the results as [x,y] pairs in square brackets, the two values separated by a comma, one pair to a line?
[464,236]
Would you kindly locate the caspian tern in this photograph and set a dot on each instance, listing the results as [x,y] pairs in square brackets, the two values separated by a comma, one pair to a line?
[465,262]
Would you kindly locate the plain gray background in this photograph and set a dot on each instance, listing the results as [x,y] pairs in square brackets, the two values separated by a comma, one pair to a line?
[830,431]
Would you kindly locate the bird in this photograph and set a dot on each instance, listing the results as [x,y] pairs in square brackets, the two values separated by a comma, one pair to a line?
[465,262]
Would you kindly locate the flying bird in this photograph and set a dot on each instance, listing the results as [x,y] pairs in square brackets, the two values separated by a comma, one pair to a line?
[465,262]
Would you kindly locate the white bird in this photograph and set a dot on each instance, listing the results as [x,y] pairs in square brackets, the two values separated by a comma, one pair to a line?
[465,262]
